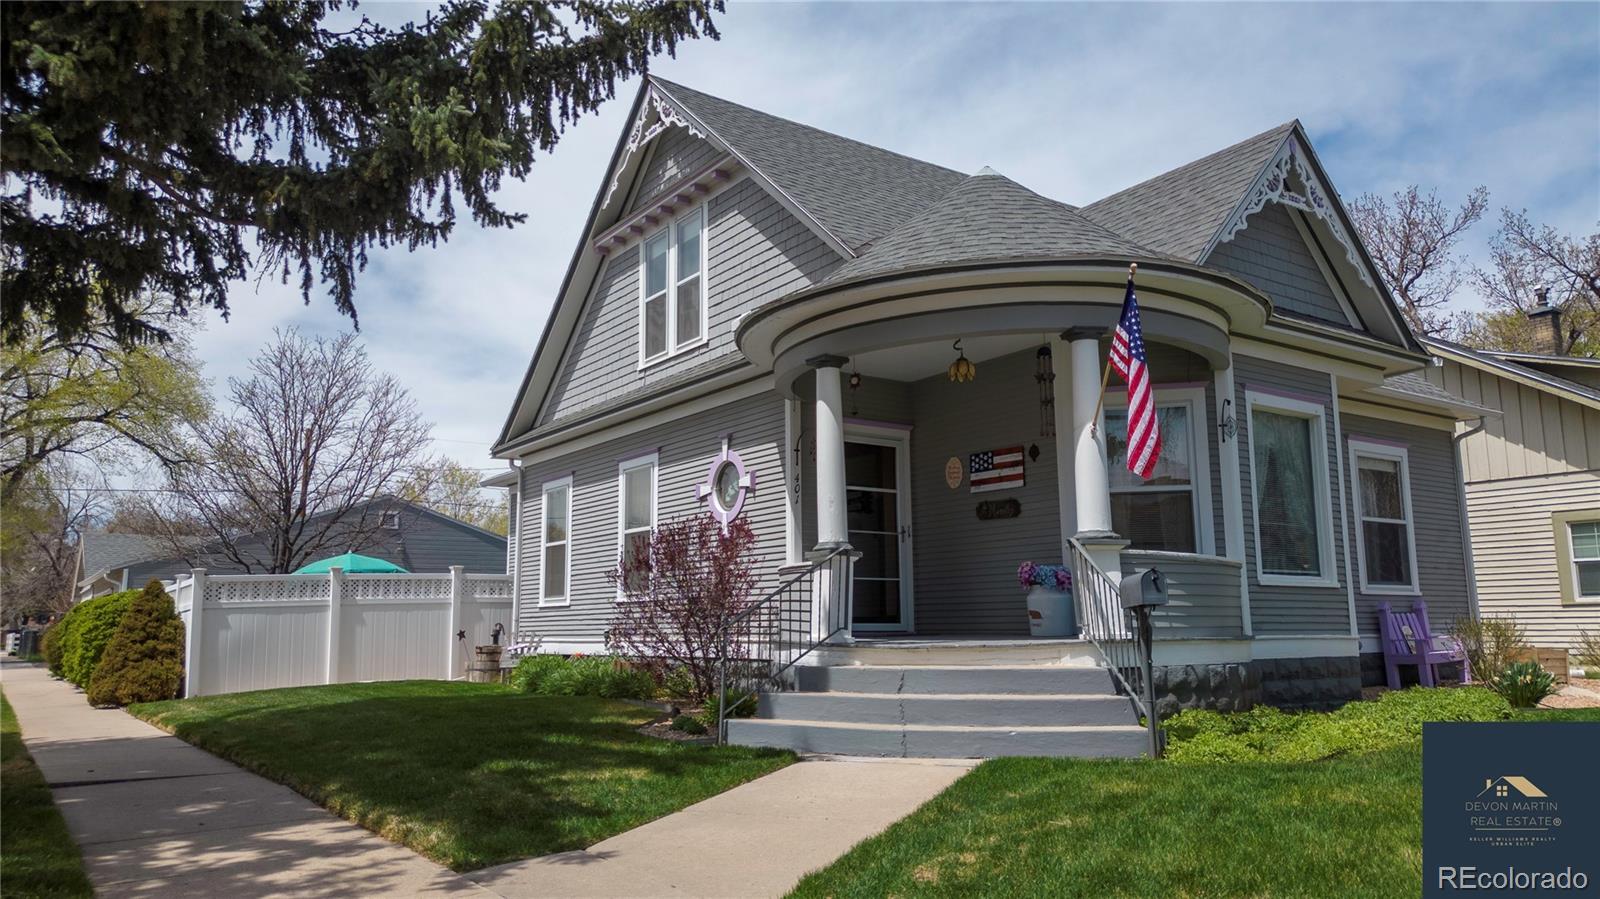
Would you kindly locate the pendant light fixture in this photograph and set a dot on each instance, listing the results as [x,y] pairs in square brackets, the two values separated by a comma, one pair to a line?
[962,370]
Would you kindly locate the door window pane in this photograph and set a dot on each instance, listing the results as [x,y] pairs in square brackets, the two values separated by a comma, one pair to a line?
[869,465]
[880,554]
[1286,498]
[876,602]
[870,510]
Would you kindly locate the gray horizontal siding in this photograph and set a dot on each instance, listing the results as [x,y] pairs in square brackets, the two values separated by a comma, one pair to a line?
[686,448]
[757,252]
[675,154]
[1291,610]
[1436,508]
[1202,595]
[1270,253]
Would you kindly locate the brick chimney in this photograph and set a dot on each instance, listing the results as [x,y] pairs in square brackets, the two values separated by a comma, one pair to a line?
[1546,321]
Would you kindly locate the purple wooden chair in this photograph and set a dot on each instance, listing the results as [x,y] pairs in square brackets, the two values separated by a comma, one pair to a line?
[1408,641]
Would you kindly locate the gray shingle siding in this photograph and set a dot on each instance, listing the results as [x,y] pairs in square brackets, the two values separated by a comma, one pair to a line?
[686,448]
[1270,253]
[675,154]
[1291,610]
[756,250]
[1436,509]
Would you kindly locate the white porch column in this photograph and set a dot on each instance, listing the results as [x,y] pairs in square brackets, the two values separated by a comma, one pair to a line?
[1232,491]
[1091,480]
[831,530]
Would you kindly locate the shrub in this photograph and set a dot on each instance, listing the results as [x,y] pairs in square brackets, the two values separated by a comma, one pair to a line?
[603,676]
[682,592]
[688,724]
[74,645]
[1588,652]
[50,646]
[677,683]
[1492,644]
[144,661]
[740,705]
[531,672]
[1523,684]
[1267,734]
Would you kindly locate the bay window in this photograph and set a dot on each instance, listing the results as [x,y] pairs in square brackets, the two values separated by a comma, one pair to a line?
[672,306]
[1289,483]
[1171,510]
[1386,544]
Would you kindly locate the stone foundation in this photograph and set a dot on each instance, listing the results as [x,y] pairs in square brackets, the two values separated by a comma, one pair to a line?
[1322,683]
[1316,683]
[1222,686]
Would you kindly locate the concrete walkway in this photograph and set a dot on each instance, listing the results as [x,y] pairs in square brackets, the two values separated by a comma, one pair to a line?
[755,840]
[156,816]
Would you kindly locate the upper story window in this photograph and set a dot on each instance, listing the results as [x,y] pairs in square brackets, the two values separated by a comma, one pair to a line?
[672,307]
[1171,510]
[391,521]
[1289,482]
[1386,545]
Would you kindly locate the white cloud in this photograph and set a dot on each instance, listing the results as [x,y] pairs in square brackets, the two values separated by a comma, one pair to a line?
[1074,101]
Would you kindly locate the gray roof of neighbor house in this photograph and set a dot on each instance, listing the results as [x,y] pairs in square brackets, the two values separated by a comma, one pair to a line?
[1179,212]
[856,191]
[104,551]
[986,218]
[1494,361]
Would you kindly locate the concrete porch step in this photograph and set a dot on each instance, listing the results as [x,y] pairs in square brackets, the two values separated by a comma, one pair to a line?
[939,741]
[1023,679]
[971,709]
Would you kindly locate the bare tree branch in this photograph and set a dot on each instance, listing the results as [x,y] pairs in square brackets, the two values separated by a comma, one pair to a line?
[1411,238]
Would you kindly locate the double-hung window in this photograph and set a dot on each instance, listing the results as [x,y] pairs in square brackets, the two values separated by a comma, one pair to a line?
[1289,483]
[636,489]
[555,543]
[1171,510]
[672,310]
[1585,542]
[1386,543]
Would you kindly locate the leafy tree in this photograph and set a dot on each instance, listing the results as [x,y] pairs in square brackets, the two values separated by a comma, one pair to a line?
[447,486]
[144,660]
[1412,239]
[148,143]
[1526,258]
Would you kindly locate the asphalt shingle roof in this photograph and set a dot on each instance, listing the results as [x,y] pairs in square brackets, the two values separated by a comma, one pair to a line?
[103,551]
[856,191]
[1418,386]
[1178,212]
[1493,361]
[987,218]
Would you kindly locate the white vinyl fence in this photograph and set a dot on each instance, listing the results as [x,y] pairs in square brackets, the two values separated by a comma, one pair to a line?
[255,632]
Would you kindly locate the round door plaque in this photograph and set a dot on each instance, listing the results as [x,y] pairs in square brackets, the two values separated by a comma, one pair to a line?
[953,472]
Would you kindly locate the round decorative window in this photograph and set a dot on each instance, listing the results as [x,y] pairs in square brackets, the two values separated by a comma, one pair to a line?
[725,486]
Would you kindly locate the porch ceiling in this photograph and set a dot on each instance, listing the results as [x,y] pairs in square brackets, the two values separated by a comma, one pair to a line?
[922,360]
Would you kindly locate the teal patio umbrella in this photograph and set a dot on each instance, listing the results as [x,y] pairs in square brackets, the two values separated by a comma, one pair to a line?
[352,563]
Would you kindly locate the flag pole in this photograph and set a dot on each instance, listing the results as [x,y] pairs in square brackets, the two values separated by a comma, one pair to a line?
[1105,376]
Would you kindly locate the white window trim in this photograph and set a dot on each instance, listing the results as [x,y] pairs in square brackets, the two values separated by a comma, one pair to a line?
[544,505]
[668,227]
[1358,450]
[1317,413]
[1578,598]
[654,461]
[1200,484]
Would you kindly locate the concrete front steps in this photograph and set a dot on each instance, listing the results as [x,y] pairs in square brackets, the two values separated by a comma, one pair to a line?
[961,711]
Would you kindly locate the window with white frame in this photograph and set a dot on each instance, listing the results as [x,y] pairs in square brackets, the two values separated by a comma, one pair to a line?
[636,517]
[1585,537]
[1289,483]
[672,309]
[1386,544]
[555,539]
[1170,510]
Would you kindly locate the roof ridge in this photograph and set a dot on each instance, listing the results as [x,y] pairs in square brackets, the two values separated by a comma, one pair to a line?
[1286,127]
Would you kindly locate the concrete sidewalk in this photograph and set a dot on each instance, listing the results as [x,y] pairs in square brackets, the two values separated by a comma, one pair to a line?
[156,816]
[758,839]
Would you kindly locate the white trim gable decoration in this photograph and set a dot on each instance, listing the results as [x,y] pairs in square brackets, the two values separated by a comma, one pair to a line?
[656,115]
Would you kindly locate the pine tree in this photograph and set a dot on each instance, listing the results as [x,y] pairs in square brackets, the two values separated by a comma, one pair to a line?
[144,662]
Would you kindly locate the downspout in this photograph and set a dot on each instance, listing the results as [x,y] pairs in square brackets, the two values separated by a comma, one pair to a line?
[1457,442]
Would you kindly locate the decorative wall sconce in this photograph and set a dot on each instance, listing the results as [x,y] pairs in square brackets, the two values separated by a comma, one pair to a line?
[1045,374]
[1226,427]
[855,385]
[962,370]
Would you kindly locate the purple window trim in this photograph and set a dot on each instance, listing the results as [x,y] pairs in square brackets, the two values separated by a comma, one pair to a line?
[876,423]
[1377,441]
[1280,393]
[639,456]
[1181,385]
[706,492]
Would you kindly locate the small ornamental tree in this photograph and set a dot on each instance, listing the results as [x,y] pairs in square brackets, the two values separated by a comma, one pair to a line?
[144,662]
[680,596]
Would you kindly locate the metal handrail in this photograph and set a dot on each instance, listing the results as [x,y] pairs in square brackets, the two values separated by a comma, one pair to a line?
[761,644]
[1105,623]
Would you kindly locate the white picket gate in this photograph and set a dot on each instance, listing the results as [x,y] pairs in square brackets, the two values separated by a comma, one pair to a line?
[255,632]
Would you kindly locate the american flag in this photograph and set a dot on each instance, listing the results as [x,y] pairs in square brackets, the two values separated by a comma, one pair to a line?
[995,469]
[1127,356]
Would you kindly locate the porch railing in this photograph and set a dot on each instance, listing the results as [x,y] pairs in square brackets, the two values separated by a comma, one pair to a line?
[1106,624]
[762,644]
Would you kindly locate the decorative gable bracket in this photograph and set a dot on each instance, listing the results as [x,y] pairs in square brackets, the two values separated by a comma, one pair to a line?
[1274,185]
[656,114]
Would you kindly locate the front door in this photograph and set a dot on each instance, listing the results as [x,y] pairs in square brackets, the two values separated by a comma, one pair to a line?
[878,518]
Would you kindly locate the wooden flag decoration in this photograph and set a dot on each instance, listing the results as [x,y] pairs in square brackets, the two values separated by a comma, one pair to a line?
[999,469]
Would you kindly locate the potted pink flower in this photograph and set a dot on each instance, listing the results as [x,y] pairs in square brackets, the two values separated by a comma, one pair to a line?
[1050,612]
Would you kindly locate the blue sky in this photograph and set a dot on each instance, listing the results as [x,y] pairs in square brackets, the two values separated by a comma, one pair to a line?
[1073,100]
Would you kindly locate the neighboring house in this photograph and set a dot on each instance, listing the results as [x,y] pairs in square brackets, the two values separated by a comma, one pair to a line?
[1532,475]
[758,320]
[414,537]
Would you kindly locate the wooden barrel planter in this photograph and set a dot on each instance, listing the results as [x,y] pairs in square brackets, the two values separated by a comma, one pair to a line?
[485,666]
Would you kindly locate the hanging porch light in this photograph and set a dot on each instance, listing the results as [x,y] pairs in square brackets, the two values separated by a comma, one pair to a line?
[962,370]
[1045,374]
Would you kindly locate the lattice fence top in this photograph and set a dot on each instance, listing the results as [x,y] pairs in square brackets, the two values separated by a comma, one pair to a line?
[397,588]
[490,586]
[266,588]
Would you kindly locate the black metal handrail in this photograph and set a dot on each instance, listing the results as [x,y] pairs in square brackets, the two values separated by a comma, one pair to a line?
[1105,623]
[762,644]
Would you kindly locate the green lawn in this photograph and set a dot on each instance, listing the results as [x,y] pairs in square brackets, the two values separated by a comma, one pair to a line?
[37,855]
[467,774]
[1348,827]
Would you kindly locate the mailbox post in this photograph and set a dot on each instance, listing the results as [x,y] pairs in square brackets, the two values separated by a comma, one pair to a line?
[1142,593]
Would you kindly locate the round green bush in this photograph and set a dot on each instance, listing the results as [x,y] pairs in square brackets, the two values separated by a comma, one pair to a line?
[73,646]
[144,660]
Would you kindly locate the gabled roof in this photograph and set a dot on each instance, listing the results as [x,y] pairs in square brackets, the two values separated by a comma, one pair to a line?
[1522,374]
[986,218]
[1179,212]
[104,551]
[856,191]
